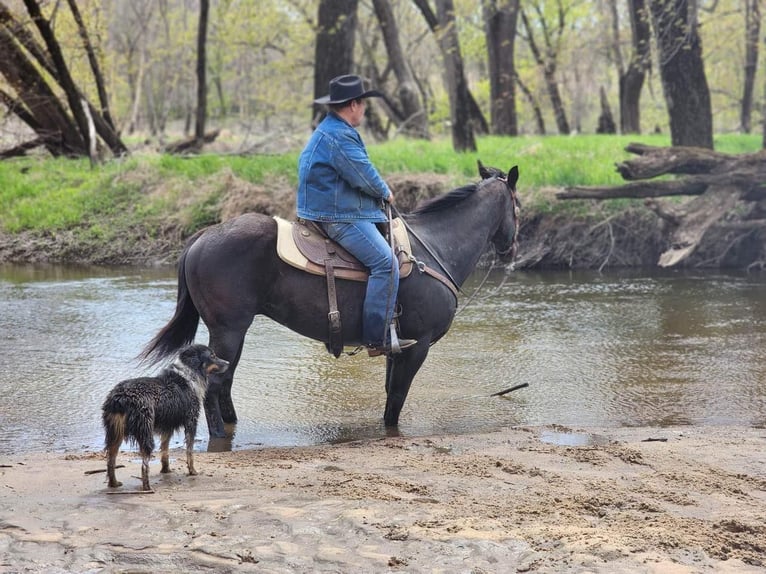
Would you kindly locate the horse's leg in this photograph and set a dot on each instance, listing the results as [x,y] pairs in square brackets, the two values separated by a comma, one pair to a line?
[228,414]
[219,407]
[400,370]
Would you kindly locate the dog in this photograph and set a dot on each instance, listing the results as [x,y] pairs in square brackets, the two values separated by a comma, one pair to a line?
[137,409]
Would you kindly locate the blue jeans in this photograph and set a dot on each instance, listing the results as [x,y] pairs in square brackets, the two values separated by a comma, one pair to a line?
[365,242]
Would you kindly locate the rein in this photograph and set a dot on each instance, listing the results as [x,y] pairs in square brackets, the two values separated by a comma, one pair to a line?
[423,268]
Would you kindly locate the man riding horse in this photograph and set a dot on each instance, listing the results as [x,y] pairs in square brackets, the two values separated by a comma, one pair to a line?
[341,191]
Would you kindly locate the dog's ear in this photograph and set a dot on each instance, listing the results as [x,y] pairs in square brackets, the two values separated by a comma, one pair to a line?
[191,357]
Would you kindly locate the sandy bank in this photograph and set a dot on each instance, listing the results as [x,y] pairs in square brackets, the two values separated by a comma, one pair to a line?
[688,500]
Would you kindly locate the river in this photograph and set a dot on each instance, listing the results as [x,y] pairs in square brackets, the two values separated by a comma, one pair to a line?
[619,348]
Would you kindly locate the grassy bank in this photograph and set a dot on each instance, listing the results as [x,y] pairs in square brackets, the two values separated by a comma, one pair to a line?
[150,193]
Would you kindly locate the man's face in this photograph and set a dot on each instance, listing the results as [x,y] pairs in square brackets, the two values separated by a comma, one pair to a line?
[357,112]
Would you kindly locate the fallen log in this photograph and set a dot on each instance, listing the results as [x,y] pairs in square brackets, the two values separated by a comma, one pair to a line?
[725,191]
[191,145]
[22,148]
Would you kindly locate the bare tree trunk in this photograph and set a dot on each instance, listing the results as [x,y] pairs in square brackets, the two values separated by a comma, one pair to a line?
[199,126]
[444,26]
[500,20]
[334,56]
[462,130]
[37,102]
[606,123]
[72,95]
[763,111]
[679,50]
[752,33]
[93,61]
[539,120]
[477,119]
[49,113]
[548,63]
[138,88]
[414,121]
[632,79]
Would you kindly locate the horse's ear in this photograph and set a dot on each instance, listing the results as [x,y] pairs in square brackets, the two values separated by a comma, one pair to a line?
[483,171]
[513,176]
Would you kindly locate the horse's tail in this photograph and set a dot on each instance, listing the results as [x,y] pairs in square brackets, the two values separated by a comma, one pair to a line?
[182,327]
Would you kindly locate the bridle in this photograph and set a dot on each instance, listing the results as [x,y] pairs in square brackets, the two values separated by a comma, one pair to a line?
[449,281]
[514,246]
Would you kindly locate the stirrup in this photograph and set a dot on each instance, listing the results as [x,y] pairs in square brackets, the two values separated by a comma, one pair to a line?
[395,347]
[377,351]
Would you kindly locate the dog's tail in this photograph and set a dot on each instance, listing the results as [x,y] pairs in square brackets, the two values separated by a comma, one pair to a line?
[182,327]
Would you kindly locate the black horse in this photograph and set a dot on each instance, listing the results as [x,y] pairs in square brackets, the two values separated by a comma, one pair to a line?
[230,272]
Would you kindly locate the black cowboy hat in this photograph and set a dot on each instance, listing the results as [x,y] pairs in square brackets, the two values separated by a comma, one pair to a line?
[346,88]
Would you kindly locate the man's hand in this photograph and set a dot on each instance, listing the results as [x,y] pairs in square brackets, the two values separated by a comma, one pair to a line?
[390,197]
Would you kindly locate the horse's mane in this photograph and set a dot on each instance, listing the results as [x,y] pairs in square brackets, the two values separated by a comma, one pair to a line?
[445,201]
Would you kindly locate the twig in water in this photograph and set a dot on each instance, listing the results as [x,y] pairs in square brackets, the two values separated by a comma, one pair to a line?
[506,391]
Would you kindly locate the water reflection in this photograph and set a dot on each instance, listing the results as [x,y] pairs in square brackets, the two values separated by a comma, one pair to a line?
[613,349]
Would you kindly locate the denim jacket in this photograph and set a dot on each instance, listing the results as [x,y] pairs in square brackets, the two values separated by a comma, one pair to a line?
[336,180]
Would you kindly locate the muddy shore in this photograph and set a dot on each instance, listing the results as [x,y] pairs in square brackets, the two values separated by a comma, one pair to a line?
[652,500]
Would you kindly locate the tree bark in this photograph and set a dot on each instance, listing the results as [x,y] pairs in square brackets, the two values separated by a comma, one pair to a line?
[51,122]
[477,119]
[606,123]
[752,33]
[201,116]
[500,21]
[462,130]
[336,21]
[548,63]
[414,120]
[632,79]
[539,119]
[65,79]
[684,84]
[94,66]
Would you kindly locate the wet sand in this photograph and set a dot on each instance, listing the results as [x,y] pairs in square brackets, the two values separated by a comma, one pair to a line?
[674,500]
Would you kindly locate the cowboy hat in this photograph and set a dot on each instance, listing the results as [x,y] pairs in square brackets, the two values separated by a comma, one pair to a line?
[346,88]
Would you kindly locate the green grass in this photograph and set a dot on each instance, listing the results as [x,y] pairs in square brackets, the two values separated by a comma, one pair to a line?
[52,194]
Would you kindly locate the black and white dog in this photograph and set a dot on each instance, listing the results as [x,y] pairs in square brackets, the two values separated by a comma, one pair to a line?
[138,408]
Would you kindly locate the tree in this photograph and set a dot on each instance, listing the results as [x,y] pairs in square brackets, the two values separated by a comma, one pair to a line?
[500,20]
[336,27]
[752,33]
[679,51]
[411,115]
[547,56]
[538,112]
[632,77]
[65,126]
[444,26]
[199,128]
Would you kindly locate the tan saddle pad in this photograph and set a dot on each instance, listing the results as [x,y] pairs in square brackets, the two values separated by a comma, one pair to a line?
[303,246]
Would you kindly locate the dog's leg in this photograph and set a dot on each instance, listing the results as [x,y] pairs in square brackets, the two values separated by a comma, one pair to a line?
[114,426]
[190,430]
[165,456]
[145,471]
[144,434]
[111,459]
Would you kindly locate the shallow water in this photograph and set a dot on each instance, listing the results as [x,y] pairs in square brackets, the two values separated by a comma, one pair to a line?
[611,349]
